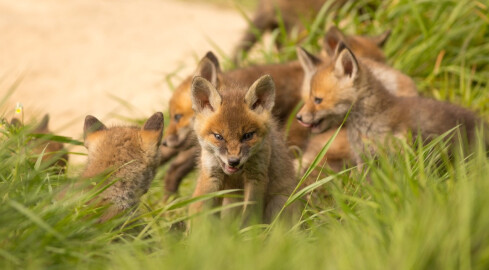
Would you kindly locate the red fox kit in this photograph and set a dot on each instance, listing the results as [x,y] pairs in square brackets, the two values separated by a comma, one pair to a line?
[241,146]
[54,152]
[293,13]
[375,112]
[311,113]
[317,114]
[133,154]
[180,140]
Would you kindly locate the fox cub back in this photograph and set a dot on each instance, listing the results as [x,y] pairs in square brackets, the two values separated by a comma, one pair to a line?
[130,154]
[241,146]
[293,14]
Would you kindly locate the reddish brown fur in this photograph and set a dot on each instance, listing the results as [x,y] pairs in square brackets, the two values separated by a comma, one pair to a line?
[322,84]
[265,169]
[131,153]
[377,112]
[363,46]
[288,77]
[293,13]
[53,152]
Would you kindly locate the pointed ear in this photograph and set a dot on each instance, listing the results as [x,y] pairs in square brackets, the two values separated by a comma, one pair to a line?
[205,97]
[208,68]
[211,56]
[92,125]
[152,130]
[308,61]
[331,40]
[15,122]
[43,125]
[381,39]
[346,64]
[261,95]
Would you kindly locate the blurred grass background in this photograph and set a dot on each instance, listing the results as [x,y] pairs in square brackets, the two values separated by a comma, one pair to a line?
[418,210]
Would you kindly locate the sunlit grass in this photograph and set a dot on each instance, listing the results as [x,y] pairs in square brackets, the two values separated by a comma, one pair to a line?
[412,208]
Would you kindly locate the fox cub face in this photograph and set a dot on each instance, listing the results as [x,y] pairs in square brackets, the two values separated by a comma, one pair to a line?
[132,151]
[332,89]
[232,123]
[181,113]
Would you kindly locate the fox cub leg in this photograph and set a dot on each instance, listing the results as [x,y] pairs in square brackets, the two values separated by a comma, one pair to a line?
[254,199]
[179,168]
[205,185]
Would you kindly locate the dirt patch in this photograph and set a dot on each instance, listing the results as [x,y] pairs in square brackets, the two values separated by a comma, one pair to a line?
[74,55]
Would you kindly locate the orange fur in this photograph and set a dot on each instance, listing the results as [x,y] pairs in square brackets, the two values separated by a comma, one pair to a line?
[288,78]
[241,147]
[130,154]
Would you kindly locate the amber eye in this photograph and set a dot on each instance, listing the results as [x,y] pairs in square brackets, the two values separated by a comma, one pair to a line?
[248,136]
[318,100]
[218,137]
[177,117]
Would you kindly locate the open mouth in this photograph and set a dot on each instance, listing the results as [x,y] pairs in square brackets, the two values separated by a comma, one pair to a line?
[231,170]
[313,125]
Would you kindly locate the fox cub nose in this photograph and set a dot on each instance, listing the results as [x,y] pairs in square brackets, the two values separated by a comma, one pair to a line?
[298,117]
[164,142]
[233,162]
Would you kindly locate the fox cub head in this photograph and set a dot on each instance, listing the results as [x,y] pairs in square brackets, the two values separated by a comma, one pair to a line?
[53,152]
[332,88]
[181,113]
[363,46]
[232,123]
[132,151]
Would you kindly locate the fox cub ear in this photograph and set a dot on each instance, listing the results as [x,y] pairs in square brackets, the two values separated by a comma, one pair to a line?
[308,61]
[15,122]
[331,40]
[381,39]
[43,126]
[92,126]
[205,97]
[261,94]
[346,64]
[152,130]
[208,68]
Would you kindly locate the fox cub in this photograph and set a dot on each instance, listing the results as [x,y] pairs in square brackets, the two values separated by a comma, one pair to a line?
[377,112]
[130,154]
[320,77]
[241,146]
[54,154]
[180,141]
[293,14]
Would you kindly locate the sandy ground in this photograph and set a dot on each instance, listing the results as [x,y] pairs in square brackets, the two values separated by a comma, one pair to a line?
[74,55]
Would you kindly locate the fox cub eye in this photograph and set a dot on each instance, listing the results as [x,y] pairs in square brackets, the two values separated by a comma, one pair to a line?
[218,137]
[248,136]
[177,117]
[318,100]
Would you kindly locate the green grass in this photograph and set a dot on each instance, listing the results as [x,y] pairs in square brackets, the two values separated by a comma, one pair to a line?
[413,208]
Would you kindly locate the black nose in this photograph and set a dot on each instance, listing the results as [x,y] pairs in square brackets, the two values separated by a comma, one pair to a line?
[298,117]
[233,162]
[164,143]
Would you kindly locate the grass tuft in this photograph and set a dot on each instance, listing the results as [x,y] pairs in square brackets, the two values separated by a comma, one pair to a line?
[413,207]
